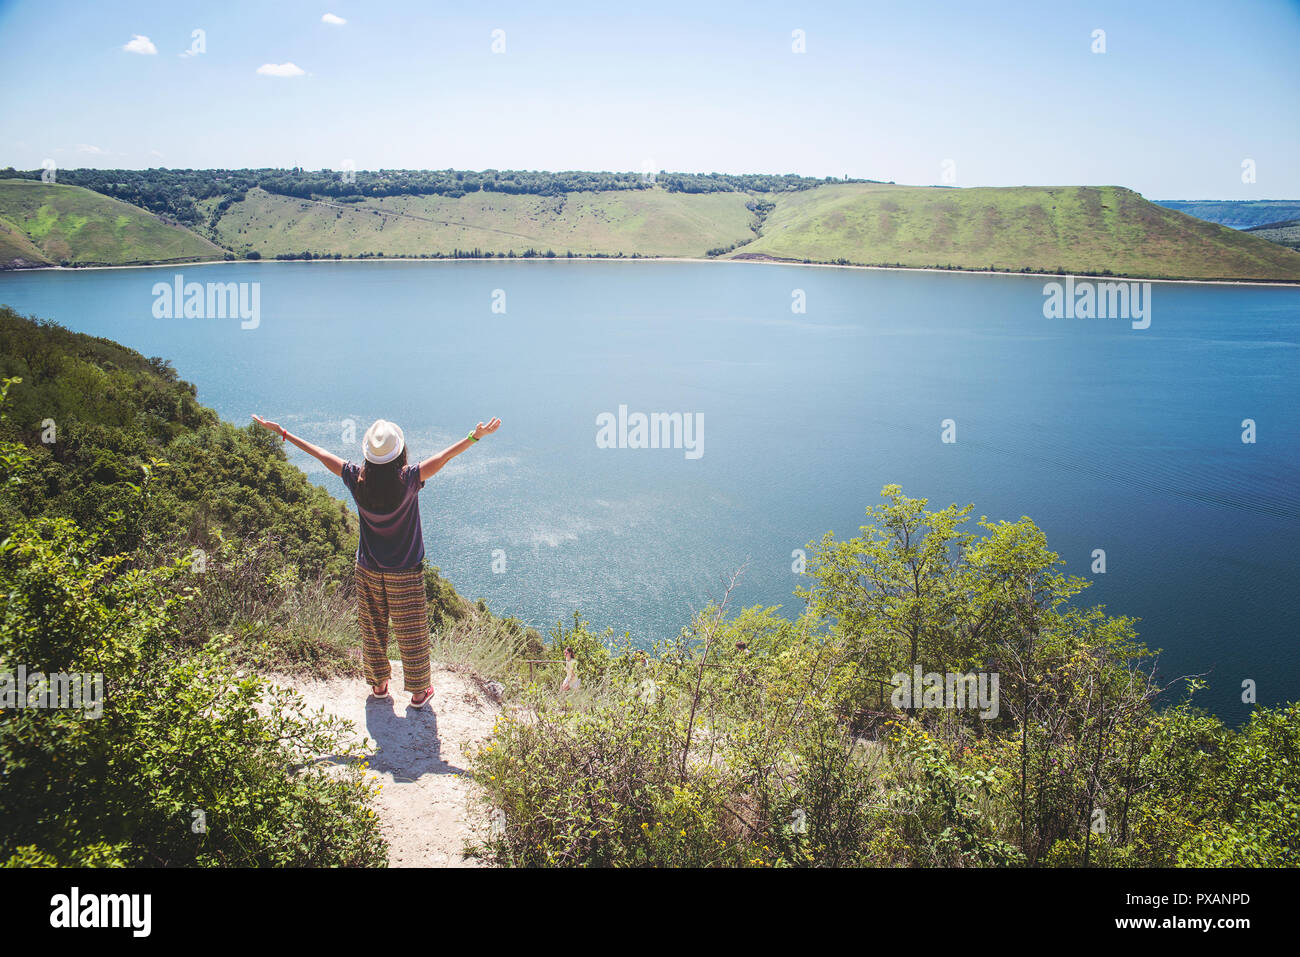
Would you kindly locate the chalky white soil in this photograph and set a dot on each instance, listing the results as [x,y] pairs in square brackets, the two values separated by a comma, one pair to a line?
[427,808]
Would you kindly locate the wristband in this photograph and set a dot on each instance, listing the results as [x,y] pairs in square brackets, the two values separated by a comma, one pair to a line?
[284,434]
[471,436]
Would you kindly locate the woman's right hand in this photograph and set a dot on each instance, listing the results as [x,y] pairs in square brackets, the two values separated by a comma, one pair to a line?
[481,430]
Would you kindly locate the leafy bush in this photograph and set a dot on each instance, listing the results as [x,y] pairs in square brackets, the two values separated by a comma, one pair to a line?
[184,760]
[180,731]
[761,740]
[600,788]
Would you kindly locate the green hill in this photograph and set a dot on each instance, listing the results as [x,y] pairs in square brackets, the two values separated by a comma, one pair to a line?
[1076,229]
[1097,230]
[72,225]
[650,222]
[16,250]
[1083,230]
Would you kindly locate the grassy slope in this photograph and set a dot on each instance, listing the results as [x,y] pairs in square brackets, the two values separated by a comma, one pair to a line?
[85,227]
[1080,229]
[645,222]
[17,251]
[1034,229]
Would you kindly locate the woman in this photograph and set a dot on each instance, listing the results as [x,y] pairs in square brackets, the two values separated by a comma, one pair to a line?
[571,680]
[390,555]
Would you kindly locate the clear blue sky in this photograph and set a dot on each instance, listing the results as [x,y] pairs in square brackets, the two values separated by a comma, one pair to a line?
[1010,92]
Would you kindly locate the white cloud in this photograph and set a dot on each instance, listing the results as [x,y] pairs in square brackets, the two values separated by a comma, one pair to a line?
[331,18]
[280,69]
[141,45]
[87,148]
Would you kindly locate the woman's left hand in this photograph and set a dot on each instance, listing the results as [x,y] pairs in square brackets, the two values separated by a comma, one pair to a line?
[268,424]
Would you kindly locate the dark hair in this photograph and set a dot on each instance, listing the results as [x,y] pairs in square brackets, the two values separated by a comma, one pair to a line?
[379,487]
[568,651]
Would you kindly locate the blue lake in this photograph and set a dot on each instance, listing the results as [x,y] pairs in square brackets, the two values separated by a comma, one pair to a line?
[1127,440]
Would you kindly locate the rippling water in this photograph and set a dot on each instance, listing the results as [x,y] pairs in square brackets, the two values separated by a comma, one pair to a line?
[1107,436]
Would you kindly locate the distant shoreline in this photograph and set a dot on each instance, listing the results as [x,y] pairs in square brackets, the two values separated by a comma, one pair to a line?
[1281,283]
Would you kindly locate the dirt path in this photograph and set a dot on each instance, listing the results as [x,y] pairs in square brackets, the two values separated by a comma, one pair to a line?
[426,808]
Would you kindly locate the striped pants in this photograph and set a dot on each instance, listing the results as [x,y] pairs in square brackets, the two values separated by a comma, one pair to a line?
[398,595]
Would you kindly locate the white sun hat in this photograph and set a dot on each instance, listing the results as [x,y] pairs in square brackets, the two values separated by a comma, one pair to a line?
[383,442]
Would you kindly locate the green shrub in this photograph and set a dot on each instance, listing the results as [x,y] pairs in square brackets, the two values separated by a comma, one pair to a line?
[600,788]
[180,731]
[756,739]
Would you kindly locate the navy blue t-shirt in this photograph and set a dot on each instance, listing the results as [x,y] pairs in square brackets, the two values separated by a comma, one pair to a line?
[390,541]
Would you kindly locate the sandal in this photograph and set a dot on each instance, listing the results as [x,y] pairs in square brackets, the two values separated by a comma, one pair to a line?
[424,698]
[380,691]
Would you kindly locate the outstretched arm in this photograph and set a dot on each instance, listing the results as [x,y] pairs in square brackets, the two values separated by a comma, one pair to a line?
[328,459]
[430,466]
